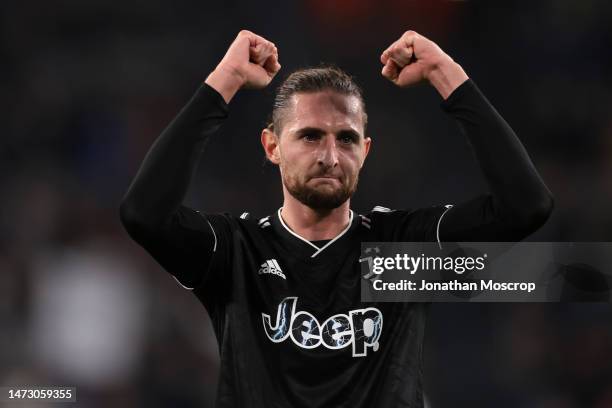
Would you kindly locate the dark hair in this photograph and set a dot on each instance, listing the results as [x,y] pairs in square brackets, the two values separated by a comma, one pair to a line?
[305,80]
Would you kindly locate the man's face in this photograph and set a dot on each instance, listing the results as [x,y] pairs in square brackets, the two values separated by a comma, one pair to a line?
[321,148]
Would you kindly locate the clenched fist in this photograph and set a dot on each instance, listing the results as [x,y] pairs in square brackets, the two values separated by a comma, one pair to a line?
[251,61]
[414,58]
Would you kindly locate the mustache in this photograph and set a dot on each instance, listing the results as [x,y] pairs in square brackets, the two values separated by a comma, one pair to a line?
[325,174]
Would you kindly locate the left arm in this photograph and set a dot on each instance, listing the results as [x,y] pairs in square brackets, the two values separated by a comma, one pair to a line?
[519,202]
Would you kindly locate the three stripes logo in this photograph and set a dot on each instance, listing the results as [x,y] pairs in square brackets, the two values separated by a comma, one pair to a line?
[264,222]
[271,266]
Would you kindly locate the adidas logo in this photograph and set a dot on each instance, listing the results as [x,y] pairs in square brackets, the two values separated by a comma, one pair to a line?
[271,266]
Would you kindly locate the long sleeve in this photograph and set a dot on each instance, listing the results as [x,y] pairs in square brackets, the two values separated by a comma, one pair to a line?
[179,238]
[519,202]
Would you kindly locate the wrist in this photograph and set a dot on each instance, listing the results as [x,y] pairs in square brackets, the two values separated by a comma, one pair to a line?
[225,81]
[446,76]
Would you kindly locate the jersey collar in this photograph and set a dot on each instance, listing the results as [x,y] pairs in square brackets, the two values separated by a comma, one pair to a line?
[313,250]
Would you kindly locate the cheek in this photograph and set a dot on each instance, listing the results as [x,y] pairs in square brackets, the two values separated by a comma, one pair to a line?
[296,158]
[291,165]
[352,162]
[289,151]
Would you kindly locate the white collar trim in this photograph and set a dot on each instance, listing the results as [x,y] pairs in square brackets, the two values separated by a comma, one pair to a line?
[319,250]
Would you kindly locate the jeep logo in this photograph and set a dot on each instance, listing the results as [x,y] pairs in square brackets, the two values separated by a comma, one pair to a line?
[361,328]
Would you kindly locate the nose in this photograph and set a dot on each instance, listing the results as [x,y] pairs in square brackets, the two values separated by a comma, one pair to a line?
[327,155]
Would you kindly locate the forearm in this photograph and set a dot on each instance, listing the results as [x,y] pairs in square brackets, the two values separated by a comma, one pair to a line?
[519,194]
[165,174]
[226,82]
[446,76]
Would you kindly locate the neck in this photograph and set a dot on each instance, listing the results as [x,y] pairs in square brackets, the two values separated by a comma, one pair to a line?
[313,224]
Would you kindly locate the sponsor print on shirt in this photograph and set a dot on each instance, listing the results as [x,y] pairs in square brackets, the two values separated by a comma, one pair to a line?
[361,328]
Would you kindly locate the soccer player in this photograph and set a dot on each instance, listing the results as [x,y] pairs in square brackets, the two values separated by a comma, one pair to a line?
[283,291]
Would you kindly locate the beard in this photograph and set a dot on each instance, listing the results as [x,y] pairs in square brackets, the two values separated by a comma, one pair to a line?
[320,197]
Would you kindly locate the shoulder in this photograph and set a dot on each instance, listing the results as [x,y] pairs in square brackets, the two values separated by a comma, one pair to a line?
[227,229]
[385,214]
[246,220]
[420,224]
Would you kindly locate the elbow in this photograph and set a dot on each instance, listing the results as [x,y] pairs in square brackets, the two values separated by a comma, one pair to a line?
[128,216]
[537,214]
[544,209]
[132,219]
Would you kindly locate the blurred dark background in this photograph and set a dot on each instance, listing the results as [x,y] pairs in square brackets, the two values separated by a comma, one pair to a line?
[85,88]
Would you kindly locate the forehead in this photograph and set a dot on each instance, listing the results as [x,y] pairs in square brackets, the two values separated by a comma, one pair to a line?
[327,110]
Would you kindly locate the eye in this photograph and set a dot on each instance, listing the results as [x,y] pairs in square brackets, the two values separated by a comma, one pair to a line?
[347,138]
[311,136]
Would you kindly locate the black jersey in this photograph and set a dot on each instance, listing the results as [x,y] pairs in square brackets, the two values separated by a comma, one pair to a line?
[291,326]
[292,331]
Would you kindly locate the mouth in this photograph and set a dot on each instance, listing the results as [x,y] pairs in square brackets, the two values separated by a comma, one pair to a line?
[325,179]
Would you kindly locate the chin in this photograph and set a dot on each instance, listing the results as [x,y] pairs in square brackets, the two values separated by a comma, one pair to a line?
[321,196]
[324,200]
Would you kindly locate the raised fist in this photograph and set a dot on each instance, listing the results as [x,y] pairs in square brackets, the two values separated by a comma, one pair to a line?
[252,58]
[251,61]
[414,58]
[410,59]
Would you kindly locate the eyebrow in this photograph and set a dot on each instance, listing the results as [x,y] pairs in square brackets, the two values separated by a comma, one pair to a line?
[317,131]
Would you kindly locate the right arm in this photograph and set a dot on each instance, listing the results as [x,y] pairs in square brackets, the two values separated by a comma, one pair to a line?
[519,202]
[177,237]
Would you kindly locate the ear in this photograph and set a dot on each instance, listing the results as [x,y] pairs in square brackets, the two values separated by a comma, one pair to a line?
[367,143]
[270,143]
